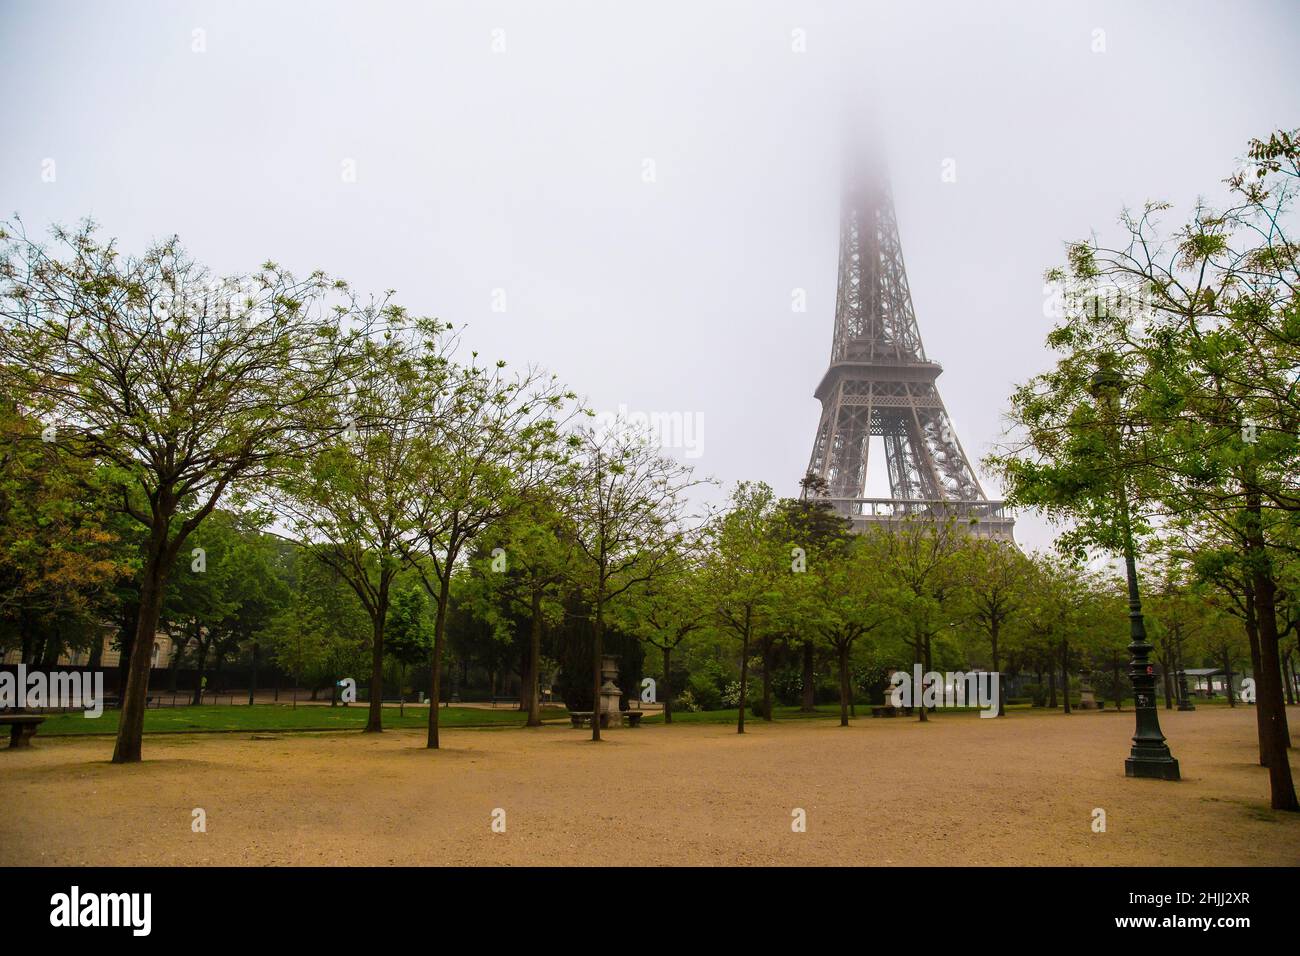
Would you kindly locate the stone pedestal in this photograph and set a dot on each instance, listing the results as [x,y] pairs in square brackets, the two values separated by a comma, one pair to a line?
[610,695]
[1087,698]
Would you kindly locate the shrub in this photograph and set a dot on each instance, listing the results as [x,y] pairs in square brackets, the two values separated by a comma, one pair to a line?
[686,702]
[703,691]
[731,694]
[787,686]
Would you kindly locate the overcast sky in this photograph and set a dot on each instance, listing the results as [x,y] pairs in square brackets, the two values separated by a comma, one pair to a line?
[629,193]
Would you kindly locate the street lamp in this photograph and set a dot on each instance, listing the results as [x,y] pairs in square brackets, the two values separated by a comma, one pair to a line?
[1149,756]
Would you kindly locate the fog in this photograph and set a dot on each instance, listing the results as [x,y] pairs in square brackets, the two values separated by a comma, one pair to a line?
[631,194]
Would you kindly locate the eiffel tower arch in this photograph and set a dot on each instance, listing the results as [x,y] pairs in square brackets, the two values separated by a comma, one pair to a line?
[881,383]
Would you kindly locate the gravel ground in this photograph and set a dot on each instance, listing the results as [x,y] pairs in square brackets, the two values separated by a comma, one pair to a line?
[958,790]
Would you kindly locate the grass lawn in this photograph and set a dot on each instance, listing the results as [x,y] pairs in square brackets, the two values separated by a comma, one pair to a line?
[864,710]
[732,715]
[179,720]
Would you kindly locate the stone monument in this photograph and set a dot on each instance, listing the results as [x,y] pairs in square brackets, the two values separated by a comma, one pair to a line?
[610,695]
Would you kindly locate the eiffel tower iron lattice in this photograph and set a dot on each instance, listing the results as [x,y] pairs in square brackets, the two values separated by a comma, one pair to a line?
[881,383]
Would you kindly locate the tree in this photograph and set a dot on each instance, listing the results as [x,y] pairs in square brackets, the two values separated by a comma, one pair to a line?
[813,524]
[348,505]
[1060,598]
[61,550]
[486,441]
[993,576]
[182,385]
[742,569]
[321,632]
[1201,328]
[525,570]
[410,636]
[628,511]
[850,601]
[668,611]
[917,557]
[226,595]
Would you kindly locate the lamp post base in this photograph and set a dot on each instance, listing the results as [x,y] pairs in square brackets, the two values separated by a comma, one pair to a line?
[1153,768]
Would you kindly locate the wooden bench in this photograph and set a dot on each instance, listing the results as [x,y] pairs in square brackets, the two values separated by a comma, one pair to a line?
[889,710]
[22,728]
[582,718]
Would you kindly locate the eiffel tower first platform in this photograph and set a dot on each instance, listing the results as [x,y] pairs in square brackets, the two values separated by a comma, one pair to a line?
[880,382]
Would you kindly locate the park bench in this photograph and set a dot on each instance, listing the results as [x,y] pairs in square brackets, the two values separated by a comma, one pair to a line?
[889,710]
[22,728]
[582,718]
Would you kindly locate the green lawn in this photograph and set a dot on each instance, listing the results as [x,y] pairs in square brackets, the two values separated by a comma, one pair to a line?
[273,717]
[730,716]
[186,719]
[864,710]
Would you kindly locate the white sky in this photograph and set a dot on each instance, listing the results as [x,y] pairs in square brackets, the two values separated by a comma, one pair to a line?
[522,170]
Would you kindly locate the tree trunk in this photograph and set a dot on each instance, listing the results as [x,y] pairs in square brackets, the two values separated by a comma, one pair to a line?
[809,703]
[53,649]
[1252,636]
[1166,684]
[999,707]
[375,715]
[597,635]
[1288,678]
[668,690]
[844,683]
[252,675]
[929,662]
[1268,689]
[1227,682]
[1051,684]
[435,668]
[744,674]
[130,729]
[535,663]
[767,678]
[920,704]
[28,638]
[1065,674]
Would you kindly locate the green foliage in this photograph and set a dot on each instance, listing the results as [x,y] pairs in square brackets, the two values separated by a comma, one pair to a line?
[409,636]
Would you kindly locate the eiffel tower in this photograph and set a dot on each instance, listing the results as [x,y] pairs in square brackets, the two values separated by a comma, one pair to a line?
[881,383]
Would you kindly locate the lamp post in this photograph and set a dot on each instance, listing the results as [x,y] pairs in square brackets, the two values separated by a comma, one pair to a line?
[1149,756]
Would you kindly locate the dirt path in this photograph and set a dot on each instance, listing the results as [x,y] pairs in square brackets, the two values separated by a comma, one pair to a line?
[959,790]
